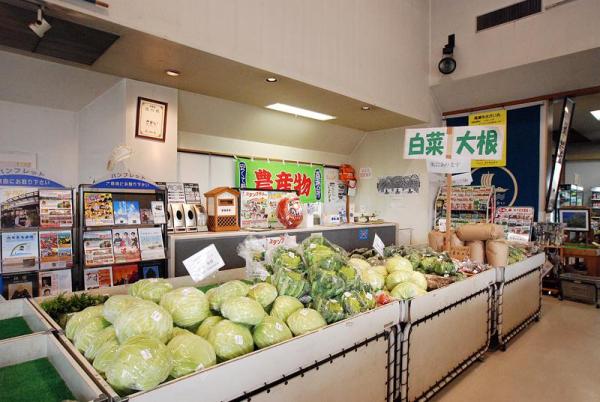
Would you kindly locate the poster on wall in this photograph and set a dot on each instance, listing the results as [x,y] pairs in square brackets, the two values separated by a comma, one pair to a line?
[151,119]
[335,194]
[516,221]
[399,185]
[306,180]
[492,118]
[254,209]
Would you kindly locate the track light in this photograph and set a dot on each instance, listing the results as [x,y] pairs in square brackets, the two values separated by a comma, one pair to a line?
[40,26]
[447,65]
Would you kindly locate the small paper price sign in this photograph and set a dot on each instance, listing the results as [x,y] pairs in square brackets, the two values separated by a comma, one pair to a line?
[204,263]
[378,245]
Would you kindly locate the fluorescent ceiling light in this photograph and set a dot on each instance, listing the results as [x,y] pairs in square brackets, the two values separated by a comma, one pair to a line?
[282,107]
[596,114]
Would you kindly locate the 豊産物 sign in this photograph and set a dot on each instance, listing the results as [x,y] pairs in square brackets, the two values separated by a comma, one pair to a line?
[466,142]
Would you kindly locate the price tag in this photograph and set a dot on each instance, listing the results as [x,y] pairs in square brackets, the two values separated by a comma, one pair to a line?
[204,263]
[378,245]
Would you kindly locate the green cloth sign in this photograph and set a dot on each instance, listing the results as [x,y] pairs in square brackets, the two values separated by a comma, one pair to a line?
[307,180]
[466,142]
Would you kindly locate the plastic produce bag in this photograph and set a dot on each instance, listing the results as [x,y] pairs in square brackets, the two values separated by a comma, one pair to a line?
[117,304]
[207,325]
[190,353]
[253,251]
[106,335]
[87,332]
[264,293]
[284,306]
[105,356]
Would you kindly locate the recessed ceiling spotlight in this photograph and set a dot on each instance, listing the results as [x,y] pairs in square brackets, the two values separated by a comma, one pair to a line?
[365,107]
[172,73]
[271,79]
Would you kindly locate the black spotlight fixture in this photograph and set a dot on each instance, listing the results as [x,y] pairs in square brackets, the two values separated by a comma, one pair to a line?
[447,65]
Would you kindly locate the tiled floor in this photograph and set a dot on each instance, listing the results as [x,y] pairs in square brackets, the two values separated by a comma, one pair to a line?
[554,360]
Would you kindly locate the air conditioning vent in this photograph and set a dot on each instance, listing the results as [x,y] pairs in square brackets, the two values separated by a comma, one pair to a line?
[508,13]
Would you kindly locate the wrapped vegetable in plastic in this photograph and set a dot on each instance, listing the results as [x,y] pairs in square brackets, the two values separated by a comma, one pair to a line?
[419,279]
[359,263]
[116,304]
[407,290]
[87,331]
[243,310]
[179,331]
[327,284]
[144,319]
[141,363]
[351,277]
[397,277]
[106,335]
[270,331]
[331,310]
[105,356]
[264,293]
[285,257]
[374,280]
[291,283]
[284,306]
[398,263]
[225,291]
[230,340]
[305,320]
[190,353]
[207,325]
[351,303]
[252,250]
[188,306]
[151,289]
[81,317]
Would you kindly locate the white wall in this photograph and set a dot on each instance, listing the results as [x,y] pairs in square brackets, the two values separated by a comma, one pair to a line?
[50,133]
[375,51]
[570,28]
[589,172]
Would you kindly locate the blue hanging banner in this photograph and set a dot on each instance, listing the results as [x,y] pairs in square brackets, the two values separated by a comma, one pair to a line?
[126,181]
[24,177]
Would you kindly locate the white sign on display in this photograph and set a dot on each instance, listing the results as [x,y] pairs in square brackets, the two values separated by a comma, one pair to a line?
[204,263]
[463,179]
[448,165]
[378,245]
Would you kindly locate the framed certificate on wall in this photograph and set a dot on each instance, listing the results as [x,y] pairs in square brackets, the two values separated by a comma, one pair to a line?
[151,119]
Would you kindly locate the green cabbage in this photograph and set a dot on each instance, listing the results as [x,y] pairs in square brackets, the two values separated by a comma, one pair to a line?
[264,293]
[105,356]
[305,320]
[243,310]
[419,279]
[284,306]
[225,291]
[146,319]
[150,289]
[351,303]
[327,284]
[87,331]
[230,340]
[284,257]
[380,269]
[188,306]
[207,325]
[116,304]
[291,283]
[359,263]
[331,310]
[190,353]
[375,280]
[83,316]
[397,277]
[141,363]
[180,331]
[270,331]
[407,290]
[398,263]
[430,264]
[106,335]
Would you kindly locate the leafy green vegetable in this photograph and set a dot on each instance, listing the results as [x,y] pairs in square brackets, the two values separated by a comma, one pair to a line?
[374,280]
[105,355]
[305,320]
[285,257]
[140,363]
[351,303]
[327,284]
[397,277]
[106,335]
[117,304]
[284,306]
[207,325]
[243,310]
[150,289]
[230,340]
[270,331]
[188,306]
[351,277]
[225,291]
[331,310]
[60,305]
[419,279]
[190,353]
[87,331]
[145,319]
[291,283]
[264,293]
[81,317]
[398,263]
[407,290]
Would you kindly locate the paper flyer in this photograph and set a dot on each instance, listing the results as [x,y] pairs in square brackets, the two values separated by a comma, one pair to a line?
[254,209]
[126,245]
[95,278]
[19,208]
[124,274]
[98,248]
[158,212]
[19,251]
[151,243]
[56,249]
[98,209]
[53,283]
[56,208]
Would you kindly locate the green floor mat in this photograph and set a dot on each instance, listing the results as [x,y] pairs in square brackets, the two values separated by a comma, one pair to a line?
[12,327]
[33,381]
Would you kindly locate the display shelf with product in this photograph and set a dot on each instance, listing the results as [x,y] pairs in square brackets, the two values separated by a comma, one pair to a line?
[118,230]
[570,195]
[470,204]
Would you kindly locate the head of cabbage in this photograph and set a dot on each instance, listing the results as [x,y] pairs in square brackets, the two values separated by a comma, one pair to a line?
[105,355]
[406,290]
[208,324]
[230,340]
[419,279]
[226,291]
[243,310]
[270,331]
[146,319]
[106,335]
[87,332]
[305,320]
[117,304]
[284,306]
[81,317]
[398,263]
[150,289]
[188,306]
[375,280]
[140,363]
[397,277]
[190,353]
[264,293]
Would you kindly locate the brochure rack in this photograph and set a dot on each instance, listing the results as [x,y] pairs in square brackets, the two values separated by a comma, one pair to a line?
[470,204]
[132,216]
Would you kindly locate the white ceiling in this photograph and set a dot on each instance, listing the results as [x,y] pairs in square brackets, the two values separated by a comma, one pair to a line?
[583,121]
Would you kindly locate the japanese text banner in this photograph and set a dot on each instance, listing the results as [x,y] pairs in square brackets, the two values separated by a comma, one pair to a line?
[305,179]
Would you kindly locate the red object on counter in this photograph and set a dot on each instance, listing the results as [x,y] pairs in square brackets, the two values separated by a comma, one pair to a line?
[289,212]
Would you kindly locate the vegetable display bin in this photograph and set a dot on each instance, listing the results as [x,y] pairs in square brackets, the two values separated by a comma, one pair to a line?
[353,359]
[518,297]
[446,331]
[29,348]
[24,319]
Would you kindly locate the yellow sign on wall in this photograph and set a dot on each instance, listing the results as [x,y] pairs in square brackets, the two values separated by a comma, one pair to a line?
[495,118]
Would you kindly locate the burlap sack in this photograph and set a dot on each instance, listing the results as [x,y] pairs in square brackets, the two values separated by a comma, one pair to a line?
[455,241]
[476,250]
[436,240]
[496,252]
[480,231]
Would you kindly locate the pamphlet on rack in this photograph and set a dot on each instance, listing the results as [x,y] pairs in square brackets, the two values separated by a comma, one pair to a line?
[20,208]
[126,245]
[126,212]
[18,286]
[98,209]
[56,208]
[19,251]
[151,243]
[56,250]
[98,248]
[192,193]
[125,274]
[95,278]
[175,193]
[158,212]
[53,283]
